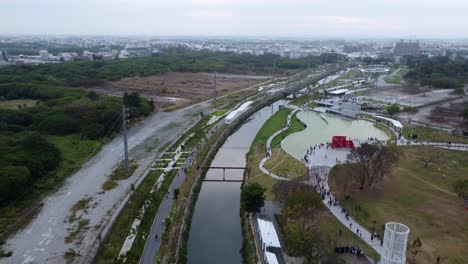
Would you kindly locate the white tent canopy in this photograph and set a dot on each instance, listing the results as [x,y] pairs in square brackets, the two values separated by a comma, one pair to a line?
[271,258]
[268,233]
[395,123]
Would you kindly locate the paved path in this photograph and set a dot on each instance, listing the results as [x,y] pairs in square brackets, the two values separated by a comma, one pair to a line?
[152,243]
[127,245]
[328,157]
[261,165]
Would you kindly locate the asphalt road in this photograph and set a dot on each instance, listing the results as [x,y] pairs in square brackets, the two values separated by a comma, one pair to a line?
[43,239]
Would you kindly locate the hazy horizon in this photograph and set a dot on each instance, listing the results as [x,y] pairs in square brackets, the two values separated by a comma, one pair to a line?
[306,19]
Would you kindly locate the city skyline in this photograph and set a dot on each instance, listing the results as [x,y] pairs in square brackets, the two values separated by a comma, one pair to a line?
[242,18]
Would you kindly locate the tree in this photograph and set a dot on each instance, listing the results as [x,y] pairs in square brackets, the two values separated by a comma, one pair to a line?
[363,157]
[411,112]
[15,180]
[252,197]
[393,109]
[299,216]
[59,124]
[465,112]
[382,163]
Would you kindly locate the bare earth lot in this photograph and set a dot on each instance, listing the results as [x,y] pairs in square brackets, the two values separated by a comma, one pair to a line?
[180,88]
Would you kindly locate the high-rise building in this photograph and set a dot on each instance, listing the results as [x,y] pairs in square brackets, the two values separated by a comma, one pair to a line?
[3,56]
[409,48]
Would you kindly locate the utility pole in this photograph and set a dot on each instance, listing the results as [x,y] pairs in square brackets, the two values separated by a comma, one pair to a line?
[274,69]
[124,126]
[215,89]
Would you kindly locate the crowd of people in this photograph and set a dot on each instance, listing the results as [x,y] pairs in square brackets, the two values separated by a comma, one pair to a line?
[350,249]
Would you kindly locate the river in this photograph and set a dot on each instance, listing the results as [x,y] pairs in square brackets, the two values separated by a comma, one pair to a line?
[215,234]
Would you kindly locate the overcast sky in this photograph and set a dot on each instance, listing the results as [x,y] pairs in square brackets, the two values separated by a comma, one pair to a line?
[277,18]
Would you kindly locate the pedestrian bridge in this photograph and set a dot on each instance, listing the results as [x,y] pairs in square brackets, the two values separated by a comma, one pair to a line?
[224,174]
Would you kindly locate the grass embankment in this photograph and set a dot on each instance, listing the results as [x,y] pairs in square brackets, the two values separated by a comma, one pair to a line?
[296,126]
[421,198]
[257,150]
[119,174]
[284,165]
[431,134]
[74,151]
[281,163]
[396,78]
[122,226]
[18,103]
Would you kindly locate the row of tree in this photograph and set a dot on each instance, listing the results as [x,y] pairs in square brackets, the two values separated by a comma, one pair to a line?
[88,73]
[439,72]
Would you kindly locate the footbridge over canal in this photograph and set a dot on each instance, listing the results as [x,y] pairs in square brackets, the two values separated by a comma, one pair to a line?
[224,174]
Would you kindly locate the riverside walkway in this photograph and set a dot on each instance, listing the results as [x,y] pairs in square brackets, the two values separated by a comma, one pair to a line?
[261,165]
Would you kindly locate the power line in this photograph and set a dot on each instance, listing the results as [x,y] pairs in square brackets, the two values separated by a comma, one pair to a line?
[124,127]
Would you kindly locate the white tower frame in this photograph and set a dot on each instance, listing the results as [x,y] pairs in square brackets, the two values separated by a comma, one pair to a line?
[395,242]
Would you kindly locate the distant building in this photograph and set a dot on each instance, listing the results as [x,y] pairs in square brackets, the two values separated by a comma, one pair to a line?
[409,48]
[3,56]
[44,54]
[350,109]
[140,50]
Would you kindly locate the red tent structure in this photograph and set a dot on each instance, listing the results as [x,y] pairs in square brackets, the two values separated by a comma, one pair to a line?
[341,142]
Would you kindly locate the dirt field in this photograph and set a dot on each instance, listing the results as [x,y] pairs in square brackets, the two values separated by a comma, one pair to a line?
[180,88]
[410,95]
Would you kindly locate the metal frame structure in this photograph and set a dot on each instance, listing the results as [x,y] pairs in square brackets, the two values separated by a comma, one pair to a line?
[395,242]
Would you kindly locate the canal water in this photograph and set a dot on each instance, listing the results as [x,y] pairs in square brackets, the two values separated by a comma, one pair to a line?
[215,234]
[321,128]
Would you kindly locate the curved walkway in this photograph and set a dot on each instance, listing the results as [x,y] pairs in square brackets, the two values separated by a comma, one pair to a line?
[328,157]
[261,165]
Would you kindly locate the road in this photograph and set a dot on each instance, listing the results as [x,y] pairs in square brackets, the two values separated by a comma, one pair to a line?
[43,239]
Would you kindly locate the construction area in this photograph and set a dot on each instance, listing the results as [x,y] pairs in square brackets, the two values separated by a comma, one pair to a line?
[175,89]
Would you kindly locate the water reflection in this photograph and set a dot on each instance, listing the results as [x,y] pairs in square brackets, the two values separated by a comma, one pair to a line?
[215,234]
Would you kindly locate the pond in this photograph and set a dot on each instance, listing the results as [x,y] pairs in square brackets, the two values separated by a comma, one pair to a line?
[321,128]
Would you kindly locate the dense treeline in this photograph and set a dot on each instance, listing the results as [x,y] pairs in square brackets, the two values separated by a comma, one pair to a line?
[439,72]
[80,73]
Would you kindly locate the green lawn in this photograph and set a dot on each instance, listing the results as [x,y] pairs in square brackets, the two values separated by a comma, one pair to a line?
[275,123]
[17,104]
[283,164]
[393,79]
[296,126]
[431,134]
[396,78]
[420,197]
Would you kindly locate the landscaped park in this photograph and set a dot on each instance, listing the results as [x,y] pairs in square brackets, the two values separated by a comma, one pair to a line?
[331,197]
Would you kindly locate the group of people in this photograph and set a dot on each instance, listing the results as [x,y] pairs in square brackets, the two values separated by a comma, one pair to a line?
[352,250]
